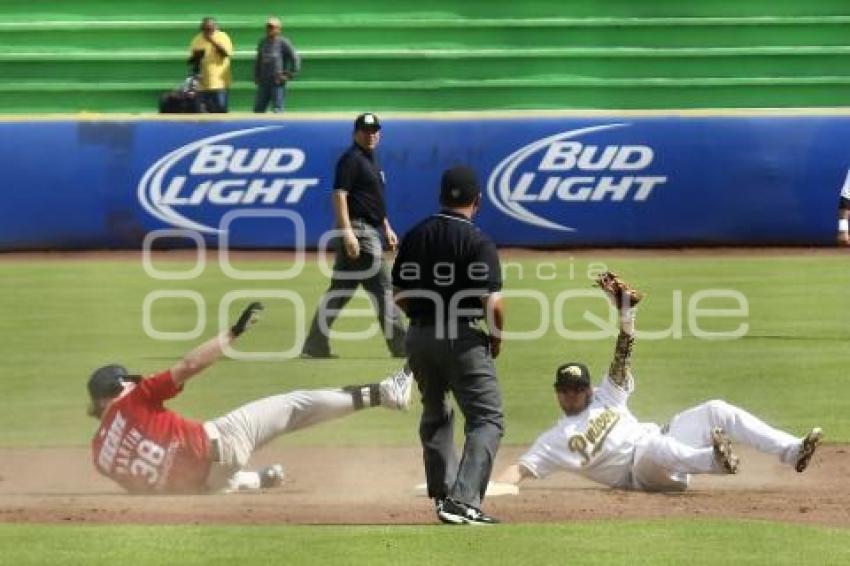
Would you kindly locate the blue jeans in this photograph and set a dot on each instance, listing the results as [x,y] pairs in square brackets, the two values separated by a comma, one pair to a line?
[269,92]
[214,101]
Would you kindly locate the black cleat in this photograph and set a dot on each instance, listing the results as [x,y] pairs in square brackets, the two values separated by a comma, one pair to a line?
[457,513]
[443,516]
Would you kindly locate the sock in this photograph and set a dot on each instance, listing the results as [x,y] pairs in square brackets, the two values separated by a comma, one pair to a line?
[363,396]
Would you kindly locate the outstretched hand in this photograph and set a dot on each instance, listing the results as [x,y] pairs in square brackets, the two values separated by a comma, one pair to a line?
[247,319]
[621,294]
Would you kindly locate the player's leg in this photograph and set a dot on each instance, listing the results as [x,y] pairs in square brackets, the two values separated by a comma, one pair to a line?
[244,430]
[673,457]
[694,427]
[436,425]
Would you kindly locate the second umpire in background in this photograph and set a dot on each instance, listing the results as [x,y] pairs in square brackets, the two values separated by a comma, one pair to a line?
[361,217]
[448,278]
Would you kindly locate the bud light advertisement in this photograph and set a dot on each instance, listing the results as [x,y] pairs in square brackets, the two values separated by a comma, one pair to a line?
[546,181]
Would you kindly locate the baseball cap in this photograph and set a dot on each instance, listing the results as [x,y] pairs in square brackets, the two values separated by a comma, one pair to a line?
[273,22]
[367,121]
[106,382]
[459,186]
[573,374]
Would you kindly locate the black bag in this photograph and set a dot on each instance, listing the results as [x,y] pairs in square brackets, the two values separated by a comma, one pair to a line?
[180,100]
[177,102]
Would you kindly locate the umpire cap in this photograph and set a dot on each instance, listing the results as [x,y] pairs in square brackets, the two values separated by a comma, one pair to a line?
[571,376]
[459,186]
[105,383]
[368,122]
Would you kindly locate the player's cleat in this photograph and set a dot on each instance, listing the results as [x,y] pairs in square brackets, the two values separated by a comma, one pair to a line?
[807,448]
[396,389]
[454,512]
[727,459]
[271,476]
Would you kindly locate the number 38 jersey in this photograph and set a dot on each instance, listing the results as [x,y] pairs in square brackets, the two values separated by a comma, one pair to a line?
[145,447]
[598,443]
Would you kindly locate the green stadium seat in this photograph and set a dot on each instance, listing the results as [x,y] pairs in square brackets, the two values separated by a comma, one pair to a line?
[544,54]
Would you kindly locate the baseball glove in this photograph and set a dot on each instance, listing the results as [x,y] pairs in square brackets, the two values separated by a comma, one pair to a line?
[622,295]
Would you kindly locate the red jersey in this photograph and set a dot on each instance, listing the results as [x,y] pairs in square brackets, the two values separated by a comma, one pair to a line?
[147,448]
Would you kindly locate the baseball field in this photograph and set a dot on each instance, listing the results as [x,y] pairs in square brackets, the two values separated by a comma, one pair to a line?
[763,329]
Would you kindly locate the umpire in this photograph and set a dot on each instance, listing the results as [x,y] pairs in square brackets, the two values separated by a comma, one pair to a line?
[361,217]
[447,279]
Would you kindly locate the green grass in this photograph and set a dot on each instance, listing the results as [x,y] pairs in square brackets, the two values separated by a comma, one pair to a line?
[60,319]
[628,542]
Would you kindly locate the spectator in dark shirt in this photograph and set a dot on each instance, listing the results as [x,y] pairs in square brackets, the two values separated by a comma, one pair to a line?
[277,63]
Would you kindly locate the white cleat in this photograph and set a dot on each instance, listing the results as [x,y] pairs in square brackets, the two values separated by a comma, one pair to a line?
[271,476]
[396,390]
[807,448]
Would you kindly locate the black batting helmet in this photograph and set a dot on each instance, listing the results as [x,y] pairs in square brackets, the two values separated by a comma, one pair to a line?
[106,382]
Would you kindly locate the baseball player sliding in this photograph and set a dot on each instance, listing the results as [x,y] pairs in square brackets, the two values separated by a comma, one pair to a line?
[599,438]
[146,448]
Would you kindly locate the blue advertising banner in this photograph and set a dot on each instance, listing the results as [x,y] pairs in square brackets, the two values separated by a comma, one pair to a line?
[547,180]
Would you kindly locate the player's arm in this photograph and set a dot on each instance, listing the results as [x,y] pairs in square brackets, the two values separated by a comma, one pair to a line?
[203,356]
[515,474]
[625,299]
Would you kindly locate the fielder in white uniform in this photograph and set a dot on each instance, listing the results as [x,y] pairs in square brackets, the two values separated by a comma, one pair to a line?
[844,213]
[599,438]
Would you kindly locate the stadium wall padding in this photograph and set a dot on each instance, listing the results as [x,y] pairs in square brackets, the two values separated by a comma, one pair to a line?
[548,180]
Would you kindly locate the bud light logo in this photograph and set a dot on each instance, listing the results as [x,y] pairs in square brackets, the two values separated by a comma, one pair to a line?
[194,185]
[566,170]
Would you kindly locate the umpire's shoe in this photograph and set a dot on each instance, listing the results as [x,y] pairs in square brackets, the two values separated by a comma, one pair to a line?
[807,448]
[454,512]
[727,459]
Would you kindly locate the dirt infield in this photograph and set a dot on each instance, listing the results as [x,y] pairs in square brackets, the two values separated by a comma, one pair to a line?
[376,486]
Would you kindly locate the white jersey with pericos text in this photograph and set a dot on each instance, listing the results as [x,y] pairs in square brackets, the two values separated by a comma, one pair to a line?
[599,443]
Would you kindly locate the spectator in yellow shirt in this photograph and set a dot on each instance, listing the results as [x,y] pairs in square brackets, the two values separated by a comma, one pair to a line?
[211,54]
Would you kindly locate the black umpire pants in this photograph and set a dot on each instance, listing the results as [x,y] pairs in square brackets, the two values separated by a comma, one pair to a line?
[465,368]
[369,270]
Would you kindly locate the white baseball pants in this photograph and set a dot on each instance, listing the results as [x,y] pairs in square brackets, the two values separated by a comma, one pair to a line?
[663,462]
[244,430]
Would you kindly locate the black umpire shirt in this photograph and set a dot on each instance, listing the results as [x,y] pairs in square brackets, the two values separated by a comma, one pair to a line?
[446,254]
[359,173]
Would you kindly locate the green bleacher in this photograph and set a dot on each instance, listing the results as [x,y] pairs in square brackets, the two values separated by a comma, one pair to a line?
[106,56]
